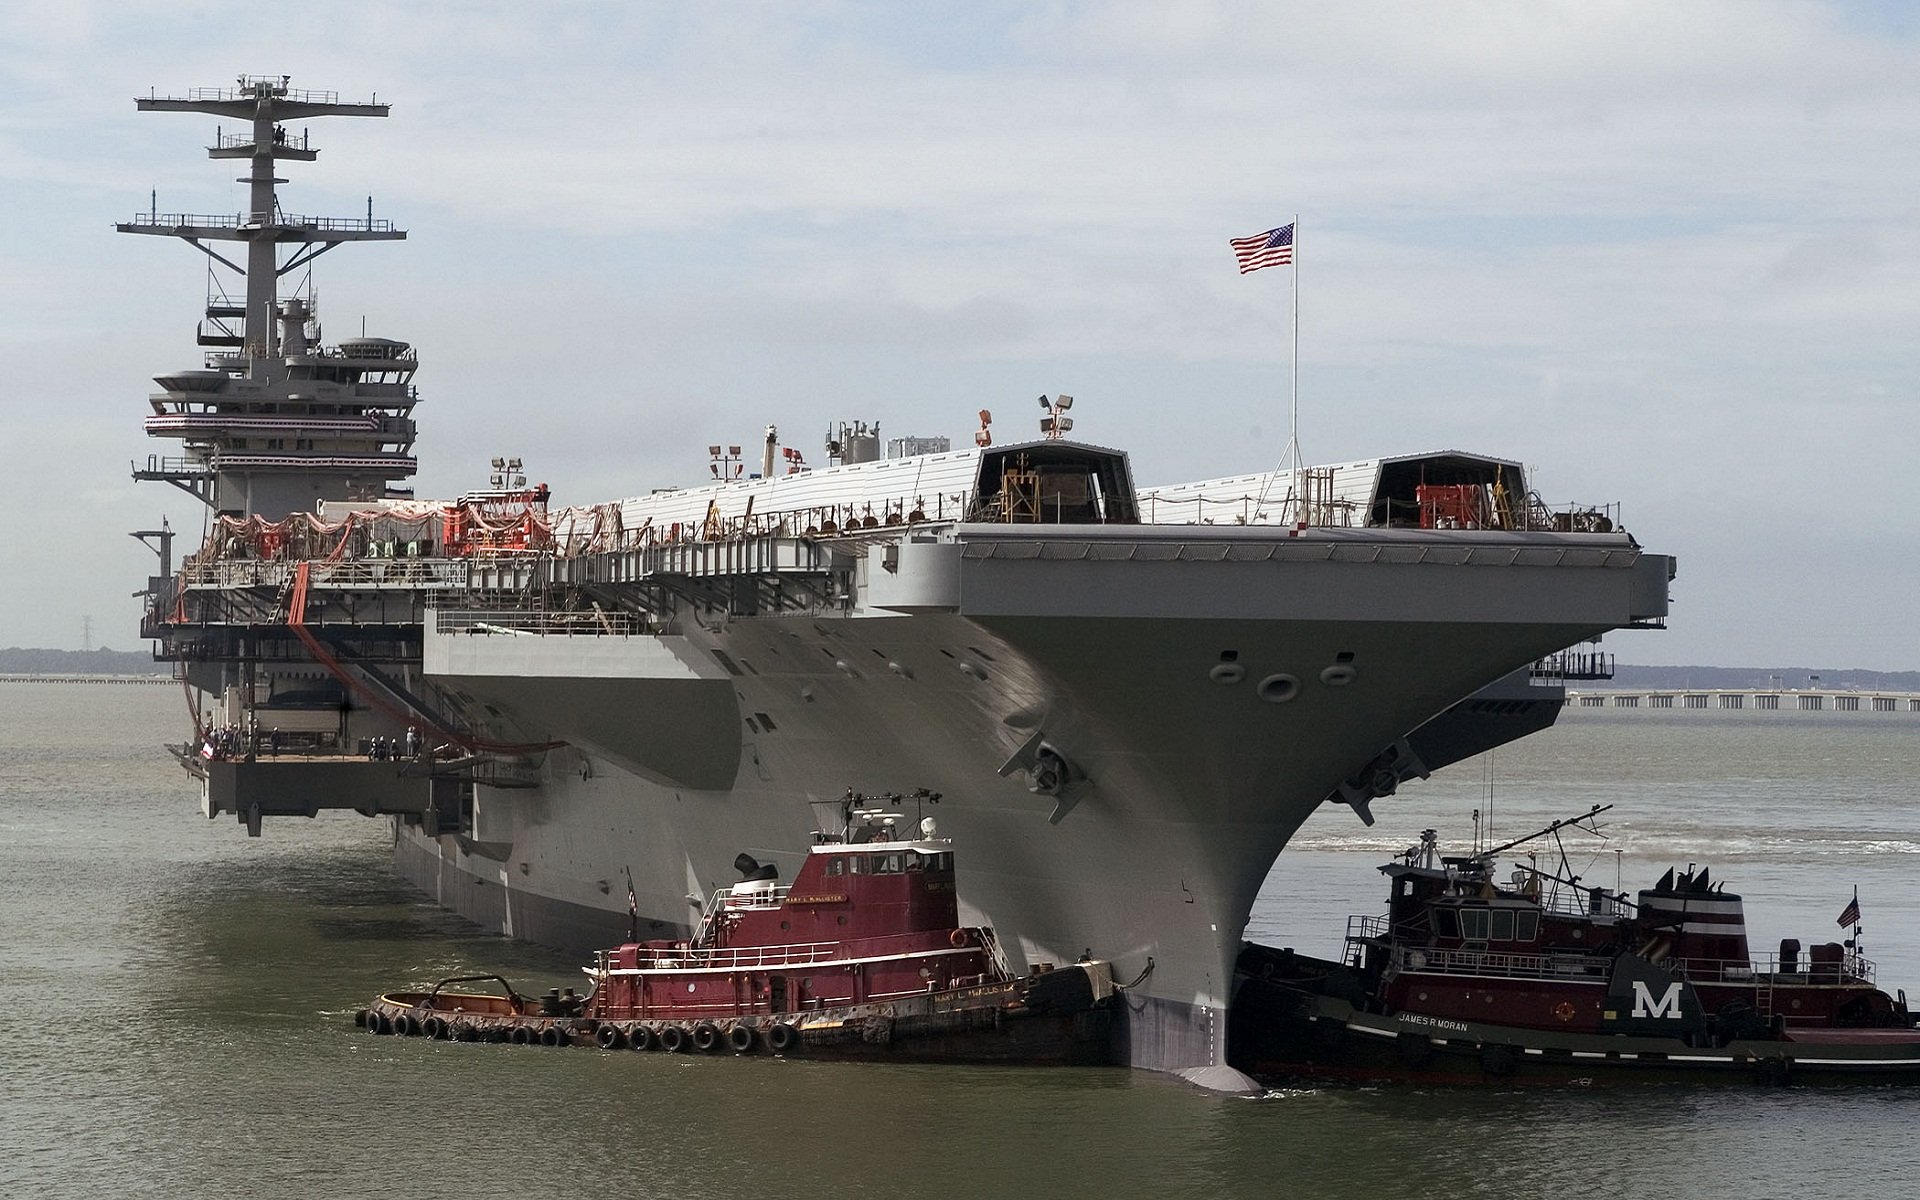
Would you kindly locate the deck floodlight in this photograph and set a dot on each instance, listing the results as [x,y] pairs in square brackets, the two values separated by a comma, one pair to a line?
[499,463]
[1063,402]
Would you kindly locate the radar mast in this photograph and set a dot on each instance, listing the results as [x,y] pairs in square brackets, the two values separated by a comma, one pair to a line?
[276,421]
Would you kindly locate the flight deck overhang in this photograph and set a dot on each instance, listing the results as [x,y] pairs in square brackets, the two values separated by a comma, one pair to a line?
[1597,581]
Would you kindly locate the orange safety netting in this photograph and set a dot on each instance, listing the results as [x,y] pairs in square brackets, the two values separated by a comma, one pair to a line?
[483,527]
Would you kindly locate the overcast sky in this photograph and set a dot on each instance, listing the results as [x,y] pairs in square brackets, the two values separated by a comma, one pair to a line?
[1664,254]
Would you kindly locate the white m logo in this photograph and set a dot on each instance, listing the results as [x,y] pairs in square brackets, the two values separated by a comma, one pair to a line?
[1668,1005]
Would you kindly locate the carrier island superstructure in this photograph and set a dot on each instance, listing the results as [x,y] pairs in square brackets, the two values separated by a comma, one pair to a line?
[1128,699]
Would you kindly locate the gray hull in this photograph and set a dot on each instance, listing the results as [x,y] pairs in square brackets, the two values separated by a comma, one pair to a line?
[1176,784]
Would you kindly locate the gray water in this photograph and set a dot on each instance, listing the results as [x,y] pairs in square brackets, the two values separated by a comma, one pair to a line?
[180,1004]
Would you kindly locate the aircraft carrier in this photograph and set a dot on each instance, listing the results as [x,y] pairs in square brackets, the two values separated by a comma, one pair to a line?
[1128,699]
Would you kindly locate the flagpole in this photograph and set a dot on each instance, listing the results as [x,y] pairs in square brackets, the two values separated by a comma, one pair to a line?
[633,910]
[1253,253]
[1293,419]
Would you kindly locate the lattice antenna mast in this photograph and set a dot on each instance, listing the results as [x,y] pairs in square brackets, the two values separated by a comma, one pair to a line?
[276,422]
[267,106]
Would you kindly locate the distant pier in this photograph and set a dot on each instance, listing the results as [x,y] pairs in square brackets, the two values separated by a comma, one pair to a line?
[1756,699]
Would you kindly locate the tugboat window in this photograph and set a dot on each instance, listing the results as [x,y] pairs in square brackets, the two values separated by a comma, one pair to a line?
[1527,927]
[1473,924]
[1502,924]
[1445,923]
[836,866]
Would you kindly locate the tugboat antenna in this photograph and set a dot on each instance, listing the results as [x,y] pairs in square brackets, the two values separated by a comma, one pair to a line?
[1556,827]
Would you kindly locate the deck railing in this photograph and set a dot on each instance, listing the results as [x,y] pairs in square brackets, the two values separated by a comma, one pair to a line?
[186,220]
[249,89]
[737,958]
[405,573]
[1765,970]
[1768,968]
[537,622]
[1501,963]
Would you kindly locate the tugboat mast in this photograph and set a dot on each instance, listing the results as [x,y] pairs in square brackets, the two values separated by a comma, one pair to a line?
[344,441]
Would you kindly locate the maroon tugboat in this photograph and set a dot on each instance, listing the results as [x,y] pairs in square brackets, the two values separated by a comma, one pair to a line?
[862,956]
[1468,977]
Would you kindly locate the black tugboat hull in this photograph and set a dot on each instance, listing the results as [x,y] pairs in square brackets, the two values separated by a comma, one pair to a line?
[1299,1018]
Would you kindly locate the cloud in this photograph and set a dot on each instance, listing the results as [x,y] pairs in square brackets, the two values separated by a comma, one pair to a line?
[1657,250]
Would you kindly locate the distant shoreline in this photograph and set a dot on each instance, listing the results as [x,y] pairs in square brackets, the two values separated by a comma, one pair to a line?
[143,680]
[18,661]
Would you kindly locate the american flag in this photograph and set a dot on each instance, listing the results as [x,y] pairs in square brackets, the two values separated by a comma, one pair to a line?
[1274,248]
[633,910]
[1850,915]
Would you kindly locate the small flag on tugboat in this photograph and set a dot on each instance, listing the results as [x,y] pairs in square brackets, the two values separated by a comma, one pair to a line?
[1850,915]
[633,910]
[1274,248]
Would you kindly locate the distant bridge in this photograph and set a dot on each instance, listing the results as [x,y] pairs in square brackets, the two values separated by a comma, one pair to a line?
[1759,699]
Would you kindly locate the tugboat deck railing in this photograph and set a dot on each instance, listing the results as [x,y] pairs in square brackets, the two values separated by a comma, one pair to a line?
[736,958]
[760,898]
[1361,929]
[1768,969]
[746,958]
[1762,971]
[1502,963]
[1563,900]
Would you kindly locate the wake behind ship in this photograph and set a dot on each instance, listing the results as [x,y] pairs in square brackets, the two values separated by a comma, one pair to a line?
[1129,699]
